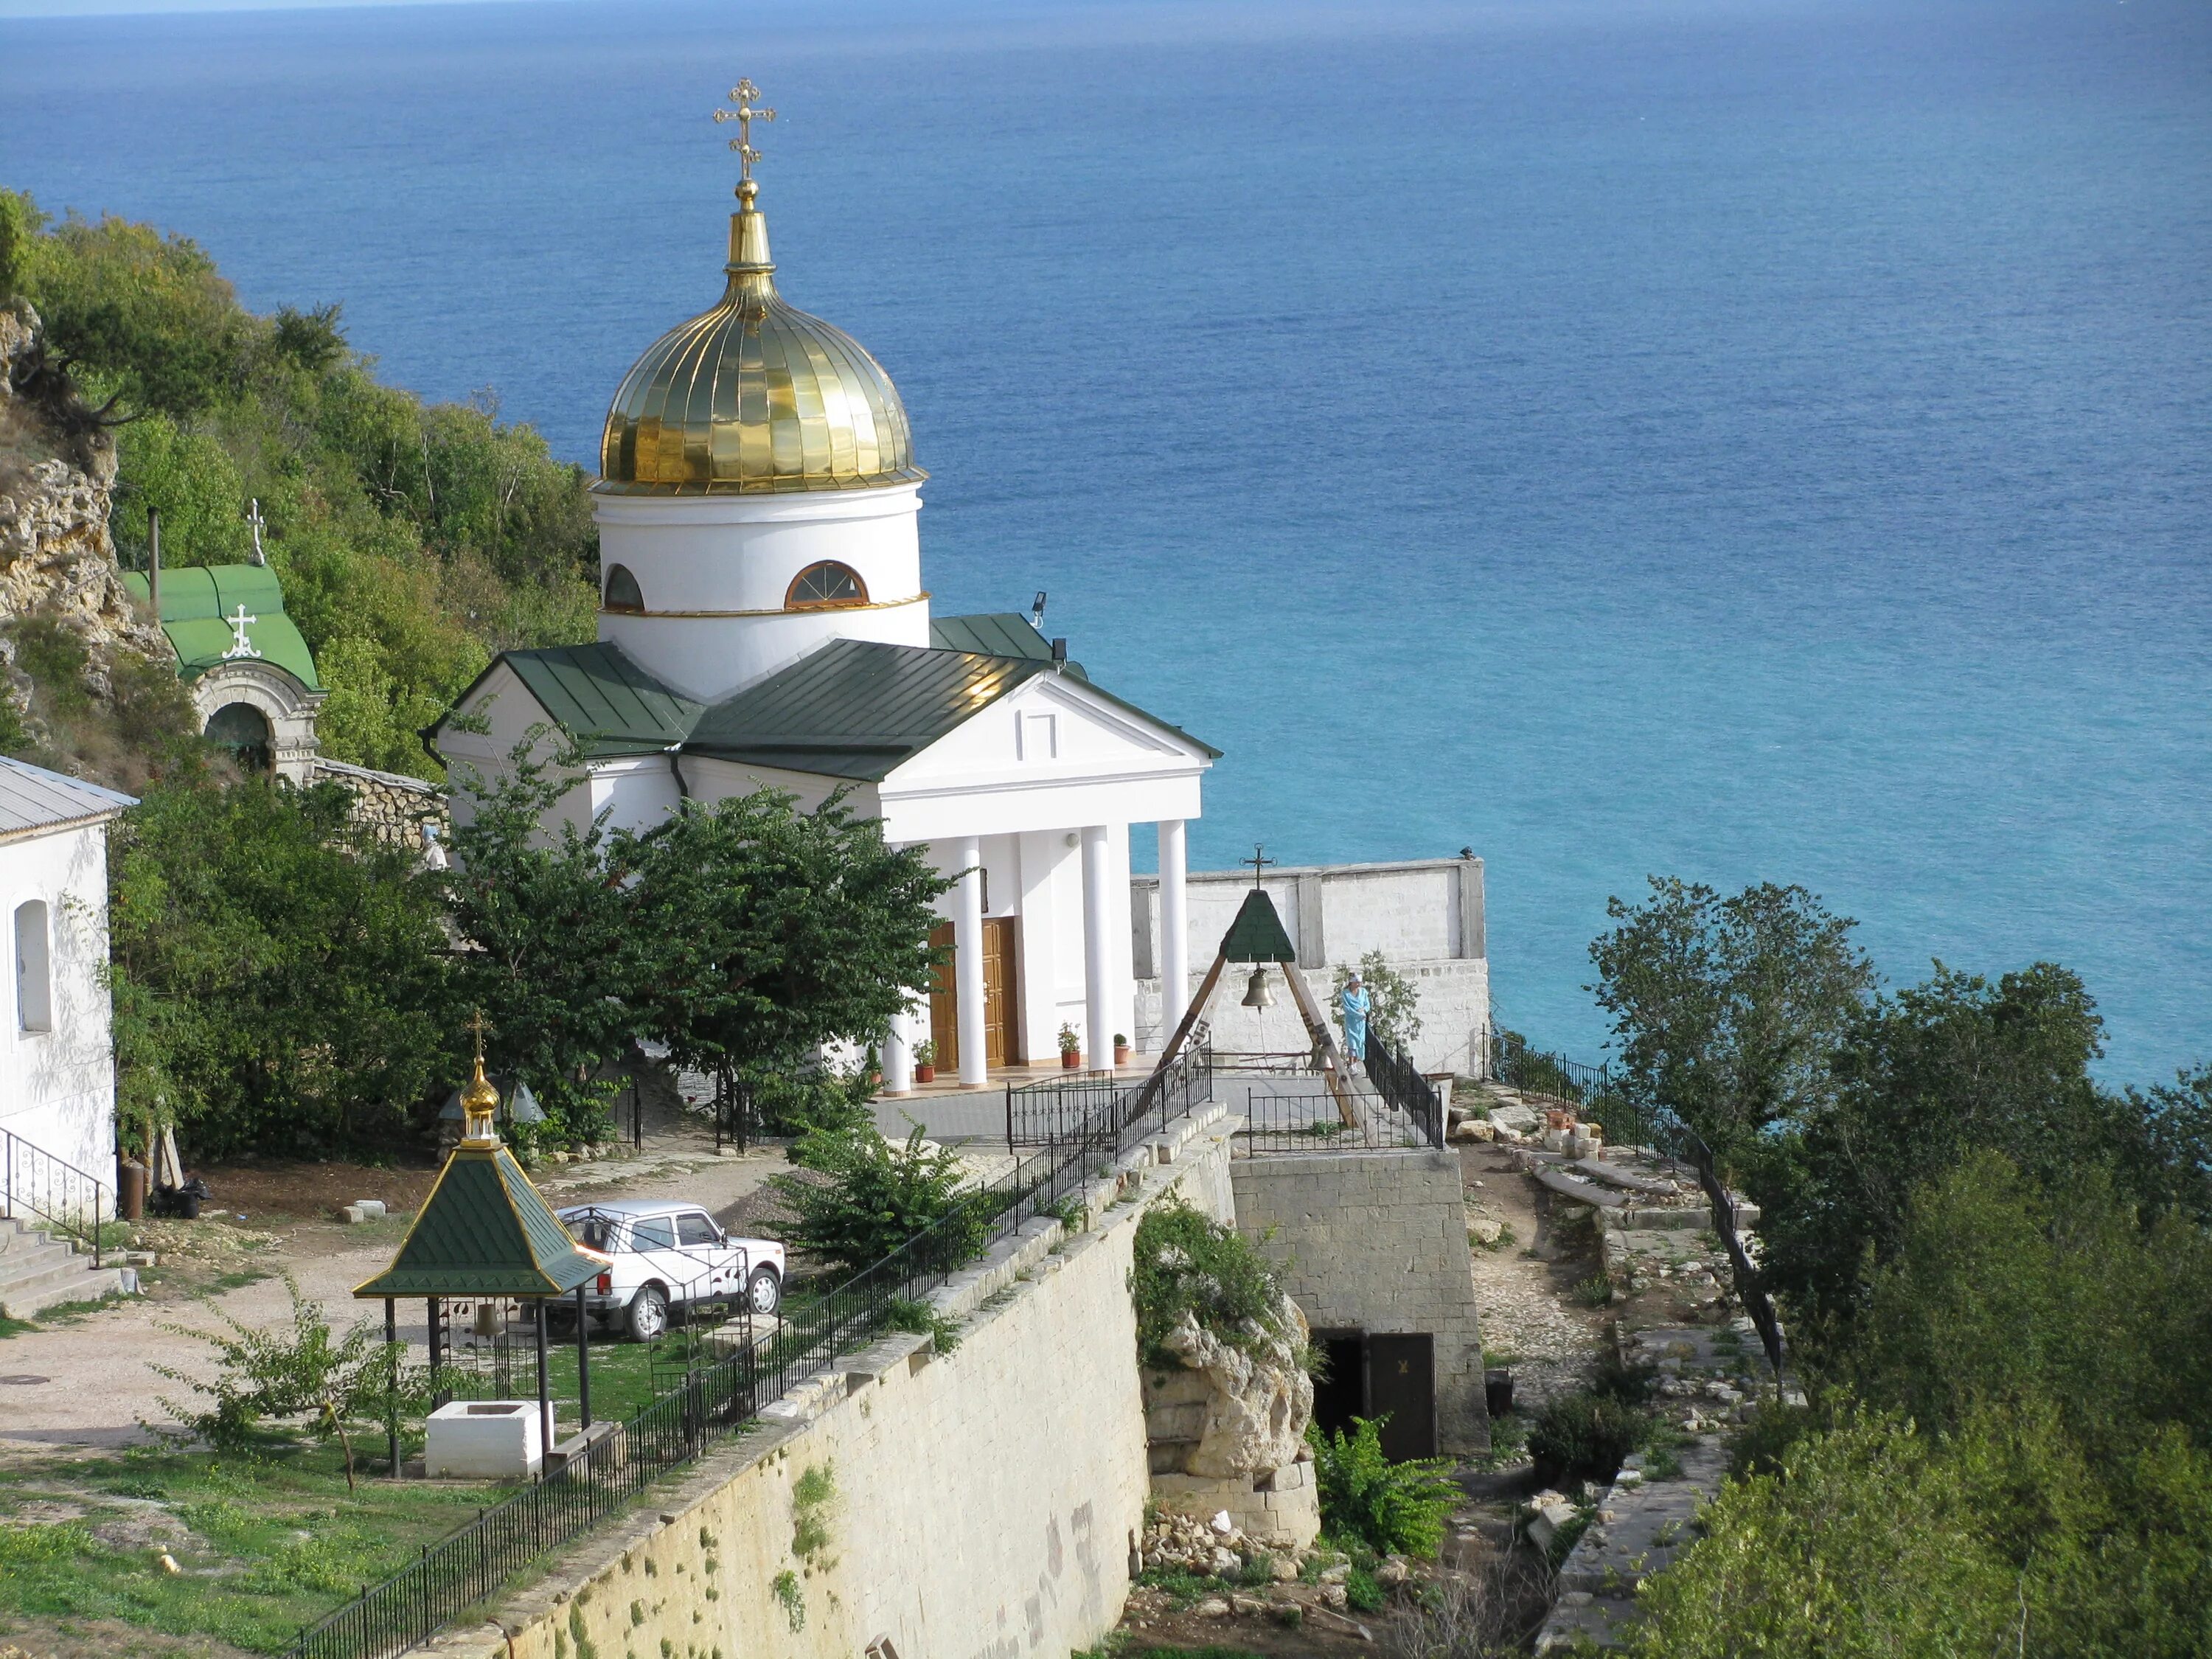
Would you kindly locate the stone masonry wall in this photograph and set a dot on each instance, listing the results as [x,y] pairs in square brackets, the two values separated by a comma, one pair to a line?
[985,1502]
[1377,1241]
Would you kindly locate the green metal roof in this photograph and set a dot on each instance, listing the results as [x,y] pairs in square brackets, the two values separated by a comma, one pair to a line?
[996,634]
[197,598]
[602,699]
[484,1231]
[853,708]
[856,708]
[1257,933]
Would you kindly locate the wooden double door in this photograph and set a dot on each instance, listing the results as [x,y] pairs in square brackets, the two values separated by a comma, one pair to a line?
[1002,1041]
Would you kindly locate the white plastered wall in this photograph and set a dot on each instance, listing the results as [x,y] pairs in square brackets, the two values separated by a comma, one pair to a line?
[58,1086]
[713,573]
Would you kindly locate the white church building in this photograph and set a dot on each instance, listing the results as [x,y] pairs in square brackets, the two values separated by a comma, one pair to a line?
[57,1052]
[764,622]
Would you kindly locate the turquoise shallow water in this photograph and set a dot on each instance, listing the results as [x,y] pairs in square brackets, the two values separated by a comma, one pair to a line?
[1747,440]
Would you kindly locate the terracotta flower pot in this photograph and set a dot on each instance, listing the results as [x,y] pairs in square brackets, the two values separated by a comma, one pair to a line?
[1120,1054]
[924,1074]
[1070,1059]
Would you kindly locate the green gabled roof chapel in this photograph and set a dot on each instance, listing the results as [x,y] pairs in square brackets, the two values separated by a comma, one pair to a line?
[1257,933]
[853,708]
[195,599]
[484,1231]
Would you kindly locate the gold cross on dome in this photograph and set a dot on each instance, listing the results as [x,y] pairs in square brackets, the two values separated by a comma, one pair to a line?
[744,115]
[475,1024]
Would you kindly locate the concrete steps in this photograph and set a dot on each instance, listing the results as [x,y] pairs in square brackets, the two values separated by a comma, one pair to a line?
[38,1270]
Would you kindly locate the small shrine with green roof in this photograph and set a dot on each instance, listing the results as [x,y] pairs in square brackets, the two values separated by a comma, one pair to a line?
[486,1234]
[252,678]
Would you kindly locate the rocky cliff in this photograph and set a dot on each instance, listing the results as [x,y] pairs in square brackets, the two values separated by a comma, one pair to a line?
[57,563]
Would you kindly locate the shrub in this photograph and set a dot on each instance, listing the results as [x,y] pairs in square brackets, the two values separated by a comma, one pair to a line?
[1367,1499]
[1186,1263]
[1584,1436]
[877,1195]
[272,1375]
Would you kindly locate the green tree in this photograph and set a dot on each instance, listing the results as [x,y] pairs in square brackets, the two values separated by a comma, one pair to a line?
[1922,1079]
[548,951]
[769,933]
[278,975]
[1727,1013]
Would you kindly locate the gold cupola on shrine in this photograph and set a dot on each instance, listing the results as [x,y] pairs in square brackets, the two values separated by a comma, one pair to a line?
[754,397]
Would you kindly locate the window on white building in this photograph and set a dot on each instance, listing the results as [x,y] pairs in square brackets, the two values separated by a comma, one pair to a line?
[825,586]
[34,996]
[622,592]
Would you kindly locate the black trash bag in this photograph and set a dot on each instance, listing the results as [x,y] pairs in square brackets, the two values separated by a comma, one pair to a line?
[178,1203]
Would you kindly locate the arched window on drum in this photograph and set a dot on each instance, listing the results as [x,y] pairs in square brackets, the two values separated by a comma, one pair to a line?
[826,586]
[623,592]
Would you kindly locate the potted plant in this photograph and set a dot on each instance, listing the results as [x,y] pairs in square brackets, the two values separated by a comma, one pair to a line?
[925,1062]
[1120,1049]
[1070,1048]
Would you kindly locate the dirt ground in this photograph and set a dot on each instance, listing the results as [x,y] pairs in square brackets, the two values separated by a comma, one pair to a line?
[93,1382]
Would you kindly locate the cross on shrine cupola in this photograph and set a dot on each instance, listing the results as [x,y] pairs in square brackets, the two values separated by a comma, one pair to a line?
[239,645]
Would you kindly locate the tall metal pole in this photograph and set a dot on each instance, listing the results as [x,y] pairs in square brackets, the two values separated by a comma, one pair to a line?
[545,1389]
[437,1353]
[583,1361]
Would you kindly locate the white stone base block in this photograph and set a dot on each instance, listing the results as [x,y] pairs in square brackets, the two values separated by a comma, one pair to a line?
[484,1440]
[1281,1510]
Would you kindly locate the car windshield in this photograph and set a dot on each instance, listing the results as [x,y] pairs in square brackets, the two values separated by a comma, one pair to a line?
[658,1234]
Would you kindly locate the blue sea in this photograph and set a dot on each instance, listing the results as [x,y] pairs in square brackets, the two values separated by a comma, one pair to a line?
[1748,441]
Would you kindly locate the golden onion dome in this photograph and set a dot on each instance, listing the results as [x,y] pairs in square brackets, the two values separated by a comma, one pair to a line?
[755,398]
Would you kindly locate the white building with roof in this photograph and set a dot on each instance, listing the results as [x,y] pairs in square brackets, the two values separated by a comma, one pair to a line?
[764,622]
[58,1053]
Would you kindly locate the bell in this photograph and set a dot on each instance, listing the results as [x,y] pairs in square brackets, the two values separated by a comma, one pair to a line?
[1256,994]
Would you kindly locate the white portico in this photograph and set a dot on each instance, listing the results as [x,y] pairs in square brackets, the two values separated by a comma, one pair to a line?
[764,624]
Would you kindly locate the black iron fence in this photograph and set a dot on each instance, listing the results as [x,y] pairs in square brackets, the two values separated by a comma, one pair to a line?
[1279,1124]
[55,1194]
[1400,1083]
[1105,1108]
[727,1373]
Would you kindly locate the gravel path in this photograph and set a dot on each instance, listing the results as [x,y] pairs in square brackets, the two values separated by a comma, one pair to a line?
[1523,1289]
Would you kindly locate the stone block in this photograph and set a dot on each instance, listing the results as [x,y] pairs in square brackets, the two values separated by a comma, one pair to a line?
[484,1440]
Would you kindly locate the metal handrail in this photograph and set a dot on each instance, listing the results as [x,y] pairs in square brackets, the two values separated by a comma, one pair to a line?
[31,1175]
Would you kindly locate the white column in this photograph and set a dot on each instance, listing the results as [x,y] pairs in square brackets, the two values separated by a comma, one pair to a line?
[1175,931]
[1097,961]
[898,1052]
[968,960]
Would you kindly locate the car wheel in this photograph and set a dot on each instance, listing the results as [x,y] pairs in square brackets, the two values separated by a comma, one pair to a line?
[648,1316]
[764,1291]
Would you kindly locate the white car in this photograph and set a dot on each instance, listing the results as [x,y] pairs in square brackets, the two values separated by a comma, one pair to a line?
[665,1254]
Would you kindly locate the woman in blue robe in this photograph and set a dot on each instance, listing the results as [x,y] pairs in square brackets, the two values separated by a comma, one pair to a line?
[1353,999]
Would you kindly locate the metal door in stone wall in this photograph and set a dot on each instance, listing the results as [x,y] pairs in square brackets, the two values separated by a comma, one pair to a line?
[1401,1383]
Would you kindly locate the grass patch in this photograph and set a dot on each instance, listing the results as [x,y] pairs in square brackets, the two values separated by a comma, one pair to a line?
[269,1540]
[1596,1292]
[13,1327]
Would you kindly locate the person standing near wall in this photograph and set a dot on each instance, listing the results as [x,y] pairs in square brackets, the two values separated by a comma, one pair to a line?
[1352,1000]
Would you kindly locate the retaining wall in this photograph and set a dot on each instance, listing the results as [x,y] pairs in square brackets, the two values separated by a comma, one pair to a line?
[985,1502]
[1377,1241]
